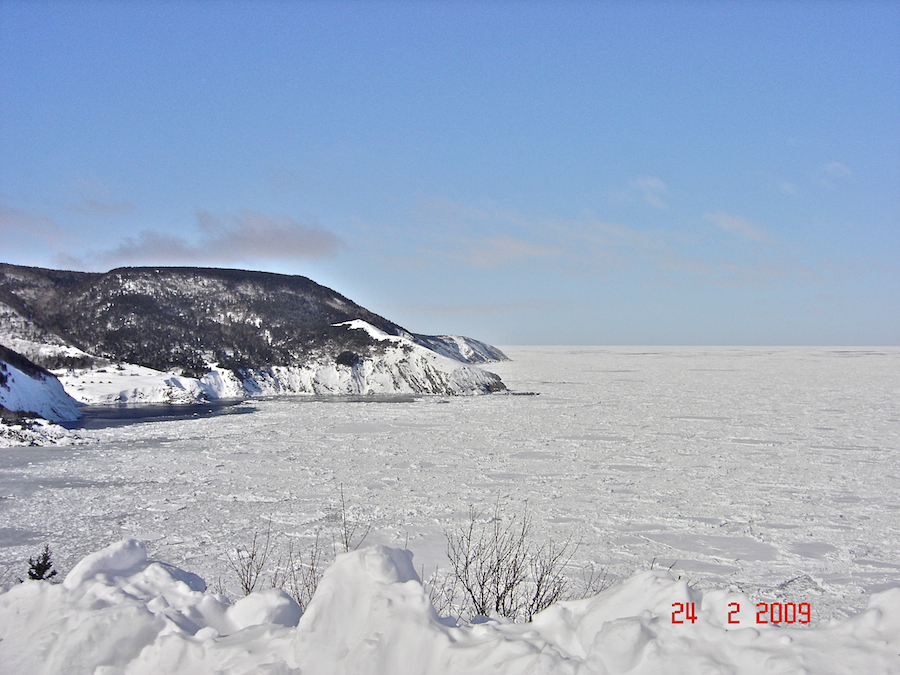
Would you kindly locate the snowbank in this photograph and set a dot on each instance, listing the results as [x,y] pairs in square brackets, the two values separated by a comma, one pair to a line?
[118,612]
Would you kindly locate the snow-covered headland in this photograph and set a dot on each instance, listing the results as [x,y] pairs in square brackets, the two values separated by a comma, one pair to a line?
[31,400]
[401,366]
[26,387]
[187,335]
[119,612]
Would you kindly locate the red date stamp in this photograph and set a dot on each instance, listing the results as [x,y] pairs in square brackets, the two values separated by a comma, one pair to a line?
[776,613]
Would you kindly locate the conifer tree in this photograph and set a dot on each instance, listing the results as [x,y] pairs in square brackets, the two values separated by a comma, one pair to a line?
[41,568]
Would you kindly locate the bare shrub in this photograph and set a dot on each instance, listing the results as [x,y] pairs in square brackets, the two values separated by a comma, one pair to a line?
[490,563]
[300,577]
[548,583]
[249,563]
[501,573]
[443,590]
[593,582]
[348,529]
[295,572]
[8,576]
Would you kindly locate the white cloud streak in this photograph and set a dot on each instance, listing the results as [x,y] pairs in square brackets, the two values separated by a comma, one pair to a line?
[650,189]
[497,308]
[493,238]
[787,188]
[837,170]
[737,225]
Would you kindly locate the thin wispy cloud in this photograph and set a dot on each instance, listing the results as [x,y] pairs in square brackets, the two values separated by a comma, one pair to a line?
[493,308]
[787,188]
[572,246]
[93,197]
[452,218]
[96,207]
[226,239]
[30,224]
[737,225]
[764,274]
[445,237]
[651,190]
[833,173]
[502,250]
[837,170]
[254,234]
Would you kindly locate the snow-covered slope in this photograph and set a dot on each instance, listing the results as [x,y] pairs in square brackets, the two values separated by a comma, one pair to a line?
[126,383]
[461,348]
[118,612]
[398,366]
[25,387]
[21,334]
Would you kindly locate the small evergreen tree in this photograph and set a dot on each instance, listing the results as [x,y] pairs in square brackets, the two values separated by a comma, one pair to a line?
[41,568]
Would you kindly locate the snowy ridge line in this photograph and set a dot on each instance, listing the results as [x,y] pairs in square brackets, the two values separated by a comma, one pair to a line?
[119,612]
[401,367]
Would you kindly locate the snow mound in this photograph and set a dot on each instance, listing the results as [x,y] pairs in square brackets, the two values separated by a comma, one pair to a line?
[25,387]
[118,612]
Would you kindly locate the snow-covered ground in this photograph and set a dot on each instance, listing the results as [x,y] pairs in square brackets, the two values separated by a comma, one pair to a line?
[117,612]
[771,472]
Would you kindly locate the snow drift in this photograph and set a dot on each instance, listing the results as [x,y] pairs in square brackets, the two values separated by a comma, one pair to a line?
[119,613]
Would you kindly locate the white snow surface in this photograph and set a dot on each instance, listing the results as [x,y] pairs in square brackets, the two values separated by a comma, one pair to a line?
[119,612]
[404,368]
[763,474]
[40,394]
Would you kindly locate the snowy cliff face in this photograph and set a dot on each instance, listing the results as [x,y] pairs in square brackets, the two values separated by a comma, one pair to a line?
[382,364]
[24,387]
[397,365]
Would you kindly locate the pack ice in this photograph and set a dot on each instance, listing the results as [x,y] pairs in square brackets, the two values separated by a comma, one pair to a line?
[119,613]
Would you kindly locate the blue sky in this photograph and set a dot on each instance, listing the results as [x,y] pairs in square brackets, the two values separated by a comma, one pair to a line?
[524,173]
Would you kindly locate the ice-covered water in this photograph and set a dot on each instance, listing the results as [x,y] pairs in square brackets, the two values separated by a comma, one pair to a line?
[748,467]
